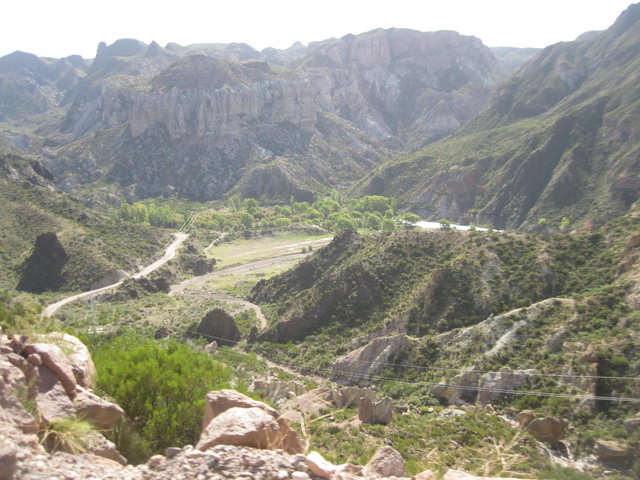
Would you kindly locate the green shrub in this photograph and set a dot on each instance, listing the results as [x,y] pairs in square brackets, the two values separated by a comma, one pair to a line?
[161,385]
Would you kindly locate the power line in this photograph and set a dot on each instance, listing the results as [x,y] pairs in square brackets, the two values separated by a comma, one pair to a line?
[444,369]
[362,376]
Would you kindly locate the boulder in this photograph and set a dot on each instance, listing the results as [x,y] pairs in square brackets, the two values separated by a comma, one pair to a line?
[218,325]
[524,418]
[612,452]
[79,357]
[378,412]
[459,390]
[101,413]
[211,348]
[248,427]
[386,462]
[548,429]
[352,395]
[98,445]
[218,402]
[51,399]
[56,361]
[42,271]
[632,424]
[12,411]
[319,466]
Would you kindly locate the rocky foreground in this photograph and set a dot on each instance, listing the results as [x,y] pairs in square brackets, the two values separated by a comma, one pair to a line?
[50,377]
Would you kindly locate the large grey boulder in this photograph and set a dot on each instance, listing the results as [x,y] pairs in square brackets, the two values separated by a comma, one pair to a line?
[246,427]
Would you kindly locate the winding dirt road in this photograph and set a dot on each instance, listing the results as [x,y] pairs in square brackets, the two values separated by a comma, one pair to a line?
[168,255]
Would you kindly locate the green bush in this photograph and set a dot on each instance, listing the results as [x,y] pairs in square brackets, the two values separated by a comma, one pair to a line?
[161,385]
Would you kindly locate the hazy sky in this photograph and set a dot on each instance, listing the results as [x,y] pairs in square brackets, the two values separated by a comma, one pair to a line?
[58,28]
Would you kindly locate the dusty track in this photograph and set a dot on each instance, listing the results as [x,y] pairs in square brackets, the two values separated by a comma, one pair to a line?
[168,255]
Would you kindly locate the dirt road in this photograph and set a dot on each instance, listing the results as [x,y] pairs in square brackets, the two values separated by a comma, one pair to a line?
[168,255]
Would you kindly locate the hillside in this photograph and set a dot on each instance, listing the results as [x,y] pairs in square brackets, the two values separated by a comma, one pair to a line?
[559,139]
[205,121]
[454,315]
[50,242]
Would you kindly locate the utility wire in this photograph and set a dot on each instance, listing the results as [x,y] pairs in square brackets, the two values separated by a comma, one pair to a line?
[360,376]
[444,369]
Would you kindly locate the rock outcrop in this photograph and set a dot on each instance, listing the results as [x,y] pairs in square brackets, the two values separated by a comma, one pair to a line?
[358,366]
[471,387]
[42,384]
[218,325]
[234,419]
[42,271]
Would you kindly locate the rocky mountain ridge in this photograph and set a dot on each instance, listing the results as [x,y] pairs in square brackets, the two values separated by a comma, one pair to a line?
[556,141]
[208,119]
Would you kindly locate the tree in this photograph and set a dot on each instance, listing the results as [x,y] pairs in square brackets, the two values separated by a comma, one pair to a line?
[235,202]
[388,225]
[246,219]
[251,205]
[410,217]
[345,223]
[564,224]
[444,224]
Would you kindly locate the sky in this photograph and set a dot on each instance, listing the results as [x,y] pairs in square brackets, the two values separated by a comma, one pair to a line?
[61,28]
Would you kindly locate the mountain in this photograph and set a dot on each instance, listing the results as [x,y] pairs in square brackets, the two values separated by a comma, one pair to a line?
[559,139]
[210,119]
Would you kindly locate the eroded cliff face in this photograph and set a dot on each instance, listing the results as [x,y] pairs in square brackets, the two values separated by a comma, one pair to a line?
[202,124]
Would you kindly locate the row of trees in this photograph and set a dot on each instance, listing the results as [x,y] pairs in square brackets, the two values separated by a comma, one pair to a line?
[158,216]
[334,213]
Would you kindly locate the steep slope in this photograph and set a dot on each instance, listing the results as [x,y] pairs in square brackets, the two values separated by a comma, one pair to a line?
[559,139]
[423,283]
[209,119]
[50,242]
